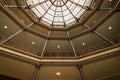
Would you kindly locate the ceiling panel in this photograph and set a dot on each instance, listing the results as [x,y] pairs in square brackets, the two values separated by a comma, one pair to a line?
[64,46]
[77,30]
[28,41]
[41,30]
[21,15]
[112,22]
[108,3]
[58,34]
[98,15]
[86,41]
[11,27]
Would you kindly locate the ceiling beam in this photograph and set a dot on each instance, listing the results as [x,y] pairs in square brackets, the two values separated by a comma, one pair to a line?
[71,43]
[45,45]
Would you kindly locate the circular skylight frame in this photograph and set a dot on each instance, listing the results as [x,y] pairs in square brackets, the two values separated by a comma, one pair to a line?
[58,13]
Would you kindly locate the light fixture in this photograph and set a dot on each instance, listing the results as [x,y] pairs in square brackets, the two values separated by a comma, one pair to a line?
[58,46]
[83,43]
[5,27]
[109,28]
[58,73]
[33,42]
[110,0]
[21,20]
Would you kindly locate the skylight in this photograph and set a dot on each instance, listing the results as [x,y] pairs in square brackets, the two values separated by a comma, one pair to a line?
[58,13]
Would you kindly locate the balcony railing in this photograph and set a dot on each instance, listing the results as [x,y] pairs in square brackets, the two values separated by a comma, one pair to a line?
[81,52]
[21,47]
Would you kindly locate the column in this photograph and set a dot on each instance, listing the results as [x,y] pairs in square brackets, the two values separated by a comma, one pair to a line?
[81,72]
[37,67]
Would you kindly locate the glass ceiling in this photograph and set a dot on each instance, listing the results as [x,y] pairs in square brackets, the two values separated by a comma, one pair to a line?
[58,13]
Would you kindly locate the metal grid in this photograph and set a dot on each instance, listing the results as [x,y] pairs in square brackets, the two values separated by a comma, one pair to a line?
[58,13]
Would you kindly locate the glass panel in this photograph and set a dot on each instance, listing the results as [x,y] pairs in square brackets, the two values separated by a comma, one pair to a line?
[67,17]
[47,20]
[51,12]
[40,9]
[35,1]
[69,21]
[76,10]
[48,3]
[59,12]
[47,16]
[36,12]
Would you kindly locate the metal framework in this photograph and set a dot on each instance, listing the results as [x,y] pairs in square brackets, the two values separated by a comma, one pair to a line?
[71,44]
[100,35]
[58,13]
[44,47]
[15,34]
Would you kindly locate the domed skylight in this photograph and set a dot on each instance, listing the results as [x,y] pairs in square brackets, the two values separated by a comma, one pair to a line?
[58,13]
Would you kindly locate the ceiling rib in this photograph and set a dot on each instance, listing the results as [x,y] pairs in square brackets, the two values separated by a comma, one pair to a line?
[98,23]
[45,12]
[106,16]
[84,7]
[71,13]
[29,16]
[15,34]
[16,18]
[54,16]
[31,6]
[44,47]
[10,13]
[87,30]
[100,35]
[71,43]
[103,37]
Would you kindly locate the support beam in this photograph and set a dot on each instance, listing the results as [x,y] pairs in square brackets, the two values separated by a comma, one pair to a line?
[103,37]
[100,35]
[17,19]
[37,67]
[73,48]
[80,68]
[45,44]
[12,36]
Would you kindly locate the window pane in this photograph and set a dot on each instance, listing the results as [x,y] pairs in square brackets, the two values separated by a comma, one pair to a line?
[59,12]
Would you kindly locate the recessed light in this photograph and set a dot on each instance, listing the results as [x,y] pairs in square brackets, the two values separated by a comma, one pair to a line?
[110,0]
[58,46]
[58,73]
[33,42]
[109,28]
[5,27]
[21,20]
[83,43]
